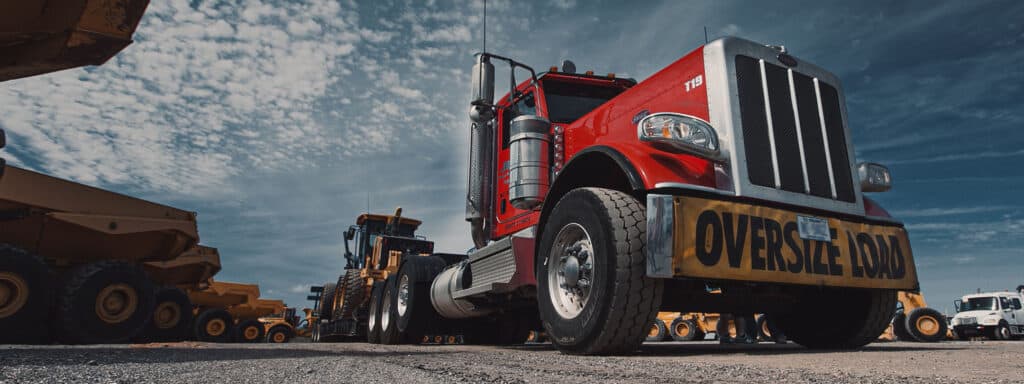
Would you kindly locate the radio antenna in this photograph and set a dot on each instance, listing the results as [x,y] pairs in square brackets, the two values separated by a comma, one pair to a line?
[485,26]
[705,34]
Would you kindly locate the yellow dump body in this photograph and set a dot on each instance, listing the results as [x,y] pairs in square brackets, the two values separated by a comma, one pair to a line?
[222,294]
[41,36]
[191,270]
[73,223]
[257,309]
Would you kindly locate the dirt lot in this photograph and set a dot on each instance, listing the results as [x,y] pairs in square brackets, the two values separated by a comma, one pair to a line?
[700,362]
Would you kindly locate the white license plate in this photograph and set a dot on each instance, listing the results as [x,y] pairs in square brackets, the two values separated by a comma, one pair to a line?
[813,228]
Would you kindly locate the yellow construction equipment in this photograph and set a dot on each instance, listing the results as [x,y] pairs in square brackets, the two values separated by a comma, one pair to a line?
[226,312]
[915,321]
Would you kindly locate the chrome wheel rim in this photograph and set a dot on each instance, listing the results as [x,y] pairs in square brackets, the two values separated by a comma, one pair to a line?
[374,312]
[403,295]
[385,309]
[571,270]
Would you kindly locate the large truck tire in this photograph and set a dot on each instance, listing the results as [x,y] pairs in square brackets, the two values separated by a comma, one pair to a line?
[250,331]
[593,295]
[26,294]
[841,319]
[685,330]
[657,332]
[926,325]
[327,302]
[350,291]
[172,317]
[389,333]
[373,330]
[104,302]
[214,325]
[900,326]
[280,334]
[415,313]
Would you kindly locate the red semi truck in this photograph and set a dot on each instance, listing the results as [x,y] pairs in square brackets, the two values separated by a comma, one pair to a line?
[596,201]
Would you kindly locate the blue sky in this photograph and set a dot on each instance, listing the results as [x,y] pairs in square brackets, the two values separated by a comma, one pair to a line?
[279,122]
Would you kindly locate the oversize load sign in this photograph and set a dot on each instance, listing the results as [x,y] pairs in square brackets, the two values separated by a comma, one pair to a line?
[735,241]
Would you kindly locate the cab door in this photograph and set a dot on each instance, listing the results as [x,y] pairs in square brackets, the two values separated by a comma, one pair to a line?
[1018,315]
[509,219]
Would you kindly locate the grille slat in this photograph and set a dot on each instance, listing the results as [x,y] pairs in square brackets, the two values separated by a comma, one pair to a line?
[786,145]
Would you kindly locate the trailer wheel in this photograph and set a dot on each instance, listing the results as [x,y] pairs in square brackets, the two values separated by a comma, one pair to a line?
[214,325]
[104,302]
[900,326]
[327,302]
[846,318]
[415,313]
[26,294]
[250,331]
[389,333]
[593,295]
[279,335]
[657,332]
[172,317]
[349,294]
[684,330]
[373,331]
[926,325]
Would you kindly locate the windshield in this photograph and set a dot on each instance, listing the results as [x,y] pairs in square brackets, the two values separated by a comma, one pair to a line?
[979,304]
[567,101]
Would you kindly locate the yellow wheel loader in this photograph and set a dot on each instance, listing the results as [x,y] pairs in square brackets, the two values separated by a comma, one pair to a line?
[916,322]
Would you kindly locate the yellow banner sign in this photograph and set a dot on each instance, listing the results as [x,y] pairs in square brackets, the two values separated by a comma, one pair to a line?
[734,241]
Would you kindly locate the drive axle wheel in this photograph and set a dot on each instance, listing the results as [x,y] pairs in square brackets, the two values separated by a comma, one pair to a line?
[250,331]
[215,326]
[592,293]
[373,330]
[389,333]
[926,325]
[172,317]
[105,302]
[25,296]
[279,334]
[658,331]
[846,317]
[684,330]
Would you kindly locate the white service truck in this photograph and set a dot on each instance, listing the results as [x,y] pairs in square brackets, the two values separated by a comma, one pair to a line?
[996,315]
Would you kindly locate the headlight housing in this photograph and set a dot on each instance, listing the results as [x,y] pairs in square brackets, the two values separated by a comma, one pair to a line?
[680,132]
[874,177]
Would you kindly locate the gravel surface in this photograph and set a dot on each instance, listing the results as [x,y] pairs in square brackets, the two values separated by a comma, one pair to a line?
[697,362]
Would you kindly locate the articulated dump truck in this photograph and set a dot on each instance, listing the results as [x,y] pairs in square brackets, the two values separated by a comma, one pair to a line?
[596,201]
[234,312]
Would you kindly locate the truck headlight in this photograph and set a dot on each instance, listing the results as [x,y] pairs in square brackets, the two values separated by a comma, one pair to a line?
[874,177]
[680,132]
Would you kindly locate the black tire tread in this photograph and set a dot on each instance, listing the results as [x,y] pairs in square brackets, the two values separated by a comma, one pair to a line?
[353,290]
[689,337]
[327,301]
[73,328]
[28,329]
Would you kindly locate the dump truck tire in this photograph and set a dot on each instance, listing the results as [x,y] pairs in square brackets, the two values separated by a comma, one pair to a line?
[26,295]
[657,332]
[349,296]
[900,326]
[327,302]
[250,331]
[684,330]
[389,333]
[280,334]
[846,318]
[373,324]
[104,302]
[172,317]
[214,325]
[619,300]
[926,325]
[415,314]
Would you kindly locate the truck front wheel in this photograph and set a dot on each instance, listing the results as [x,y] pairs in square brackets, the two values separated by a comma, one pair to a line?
[105,302]
[838,318]
[25,296]
[592,292]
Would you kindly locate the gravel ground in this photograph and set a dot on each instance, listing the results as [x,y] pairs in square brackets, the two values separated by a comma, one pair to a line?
[698,362]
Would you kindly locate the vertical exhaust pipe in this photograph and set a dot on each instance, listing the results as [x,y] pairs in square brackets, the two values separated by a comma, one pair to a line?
[481,151]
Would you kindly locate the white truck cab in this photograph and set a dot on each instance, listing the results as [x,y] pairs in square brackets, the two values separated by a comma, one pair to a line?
[996,315]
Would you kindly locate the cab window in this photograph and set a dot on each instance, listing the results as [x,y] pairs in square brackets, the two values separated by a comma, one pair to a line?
[568,101]
[1016,303]
[1004,303]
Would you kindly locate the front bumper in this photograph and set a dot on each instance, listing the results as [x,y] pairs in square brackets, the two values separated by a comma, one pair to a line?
[970,330]
[728,239]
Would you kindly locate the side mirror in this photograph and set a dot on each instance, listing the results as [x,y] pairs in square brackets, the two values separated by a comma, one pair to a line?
[350,234]
[3,138]
[956,304]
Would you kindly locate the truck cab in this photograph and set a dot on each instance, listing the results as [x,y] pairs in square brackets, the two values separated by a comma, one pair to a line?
[996,315]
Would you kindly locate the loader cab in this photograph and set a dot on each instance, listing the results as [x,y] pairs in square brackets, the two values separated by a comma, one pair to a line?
[562,98]
[364,233]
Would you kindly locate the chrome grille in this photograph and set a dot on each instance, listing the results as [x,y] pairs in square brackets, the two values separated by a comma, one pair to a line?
[793,131]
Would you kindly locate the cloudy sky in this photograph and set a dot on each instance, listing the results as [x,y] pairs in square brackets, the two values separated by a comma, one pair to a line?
[279,122]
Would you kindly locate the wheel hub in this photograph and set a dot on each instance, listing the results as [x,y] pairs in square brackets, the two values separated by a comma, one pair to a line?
[279,337]
[928,325]
[215,327]
[251,333]
[570,278]
[166,315]
[13,293]
[682,329]
[116,303]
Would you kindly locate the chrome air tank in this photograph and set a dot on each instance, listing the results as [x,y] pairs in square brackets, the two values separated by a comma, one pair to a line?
[529,166]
